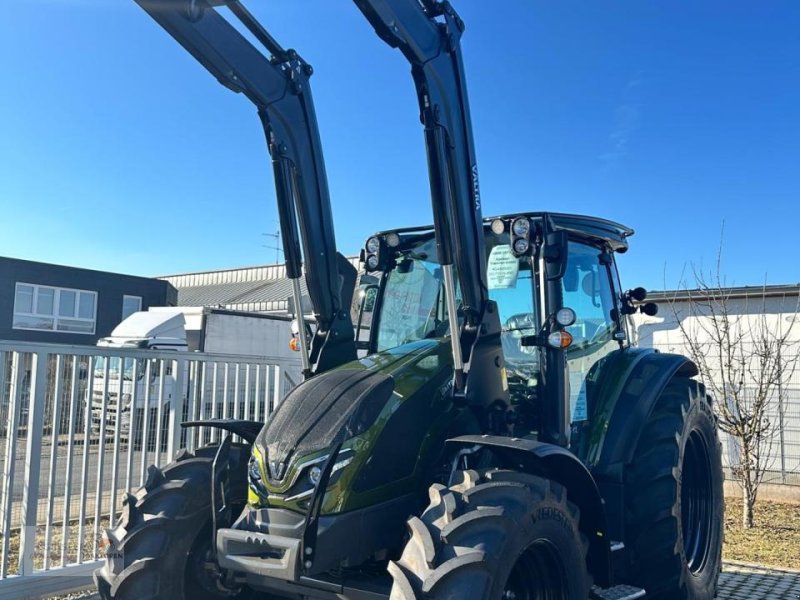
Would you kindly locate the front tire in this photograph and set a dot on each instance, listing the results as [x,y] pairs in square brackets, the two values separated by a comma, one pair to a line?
[158,550]
[494,535]
[675,503]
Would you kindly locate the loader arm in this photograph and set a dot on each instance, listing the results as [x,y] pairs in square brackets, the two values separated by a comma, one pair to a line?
[428,34]
[278,84]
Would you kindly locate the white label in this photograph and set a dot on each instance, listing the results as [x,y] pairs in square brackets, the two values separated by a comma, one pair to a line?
[503,268]
[577,385]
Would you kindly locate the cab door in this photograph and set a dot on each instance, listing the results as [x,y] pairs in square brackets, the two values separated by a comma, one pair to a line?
[588,290]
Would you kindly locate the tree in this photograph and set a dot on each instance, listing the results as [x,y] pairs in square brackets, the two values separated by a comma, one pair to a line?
[745,355]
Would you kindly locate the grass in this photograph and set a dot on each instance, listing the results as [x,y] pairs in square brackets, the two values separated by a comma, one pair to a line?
[774,540]
[89,544]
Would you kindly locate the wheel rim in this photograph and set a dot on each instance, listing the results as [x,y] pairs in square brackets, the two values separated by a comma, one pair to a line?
[538,574]
[201,574]
[697,510]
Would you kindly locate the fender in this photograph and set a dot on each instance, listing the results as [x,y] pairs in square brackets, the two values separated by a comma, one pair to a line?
[558,464]
[247,430]
[628,387]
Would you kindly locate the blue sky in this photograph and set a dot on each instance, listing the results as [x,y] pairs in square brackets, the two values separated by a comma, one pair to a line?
[119,152]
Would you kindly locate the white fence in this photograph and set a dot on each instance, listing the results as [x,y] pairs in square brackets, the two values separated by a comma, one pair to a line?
[780,452]
[78,428]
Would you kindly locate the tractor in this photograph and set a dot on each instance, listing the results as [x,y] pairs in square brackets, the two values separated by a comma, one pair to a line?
[474,422]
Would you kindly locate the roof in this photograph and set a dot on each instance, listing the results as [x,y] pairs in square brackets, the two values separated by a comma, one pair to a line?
[789,290]
[169,324]
[613,233]
[262,288]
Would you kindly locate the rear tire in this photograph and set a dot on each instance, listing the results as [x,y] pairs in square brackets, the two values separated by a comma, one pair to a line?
[496,534]
[675,504]
[158,549]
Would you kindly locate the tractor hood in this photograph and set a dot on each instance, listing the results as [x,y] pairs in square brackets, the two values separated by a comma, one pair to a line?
[344,402]
[384,409]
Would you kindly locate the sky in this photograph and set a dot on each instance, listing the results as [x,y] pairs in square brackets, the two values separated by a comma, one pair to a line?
[119,152]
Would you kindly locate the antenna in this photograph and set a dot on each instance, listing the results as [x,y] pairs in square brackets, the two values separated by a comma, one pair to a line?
[276,244]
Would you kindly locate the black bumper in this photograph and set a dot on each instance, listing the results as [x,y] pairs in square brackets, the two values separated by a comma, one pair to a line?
[265,547]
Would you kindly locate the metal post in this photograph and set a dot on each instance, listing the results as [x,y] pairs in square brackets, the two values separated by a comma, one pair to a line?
[192,391]
[12,425]
[213,433]
[132,424]
[51,481]
[33,461]
[247,391]
[85,462]
[301,326]
[101,458]
[452,317]
[162,367]
[179,396]
[74,400]
[145,418]
[277,392]
[781,432]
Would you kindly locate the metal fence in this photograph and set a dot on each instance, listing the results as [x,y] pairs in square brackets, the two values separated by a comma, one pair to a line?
[781,450]
[78,428]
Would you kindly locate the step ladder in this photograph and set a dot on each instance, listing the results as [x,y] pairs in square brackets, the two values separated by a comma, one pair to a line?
[618,592]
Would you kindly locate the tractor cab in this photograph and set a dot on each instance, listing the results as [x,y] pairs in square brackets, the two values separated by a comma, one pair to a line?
[401,300]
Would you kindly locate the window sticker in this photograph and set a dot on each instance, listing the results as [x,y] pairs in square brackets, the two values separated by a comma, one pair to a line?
[503,268]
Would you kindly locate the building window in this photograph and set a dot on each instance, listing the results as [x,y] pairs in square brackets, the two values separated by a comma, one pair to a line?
[44,308]
[130,305]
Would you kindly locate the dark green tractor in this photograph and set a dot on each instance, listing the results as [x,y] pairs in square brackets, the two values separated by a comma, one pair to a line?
[616,445]
[498,438]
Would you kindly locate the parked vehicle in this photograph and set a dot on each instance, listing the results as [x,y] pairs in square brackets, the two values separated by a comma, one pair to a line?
[500,405]
[154,382]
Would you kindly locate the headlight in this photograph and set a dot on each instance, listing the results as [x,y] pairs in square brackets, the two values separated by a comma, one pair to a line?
[521,227]
[255,474]
[373,245]
[255,469]
[372,262]
[314,473]
[565,317]
[521,246]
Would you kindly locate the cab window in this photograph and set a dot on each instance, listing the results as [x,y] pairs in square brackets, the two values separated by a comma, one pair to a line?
[587,290]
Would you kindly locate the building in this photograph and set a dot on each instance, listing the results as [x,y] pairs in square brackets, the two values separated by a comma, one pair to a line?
[779,305]
[262,289]
[756,316]
[41,302]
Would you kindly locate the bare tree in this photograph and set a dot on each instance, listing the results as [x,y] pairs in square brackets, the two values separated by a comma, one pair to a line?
[745,356]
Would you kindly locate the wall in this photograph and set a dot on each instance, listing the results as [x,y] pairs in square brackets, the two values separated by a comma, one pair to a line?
[777,313]
[110,288]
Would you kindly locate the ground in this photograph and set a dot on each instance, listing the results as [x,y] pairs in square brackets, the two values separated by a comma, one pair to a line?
[773,541]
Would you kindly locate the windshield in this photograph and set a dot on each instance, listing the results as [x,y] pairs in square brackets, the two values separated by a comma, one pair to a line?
[113,367]
[413,305]
[510,281]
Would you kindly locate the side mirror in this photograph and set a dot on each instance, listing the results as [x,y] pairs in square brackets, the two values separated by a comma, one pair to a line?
[637,294]
[555,254]
[650,309]
[405,266]
[368,294]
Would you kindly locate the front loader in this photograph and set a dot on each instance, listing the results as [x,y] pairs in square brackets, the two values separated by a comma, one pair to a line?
[499,438]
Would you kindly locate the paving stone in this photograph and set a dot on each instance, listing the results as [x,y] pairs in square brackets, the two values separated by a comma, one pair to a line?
[741,581]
